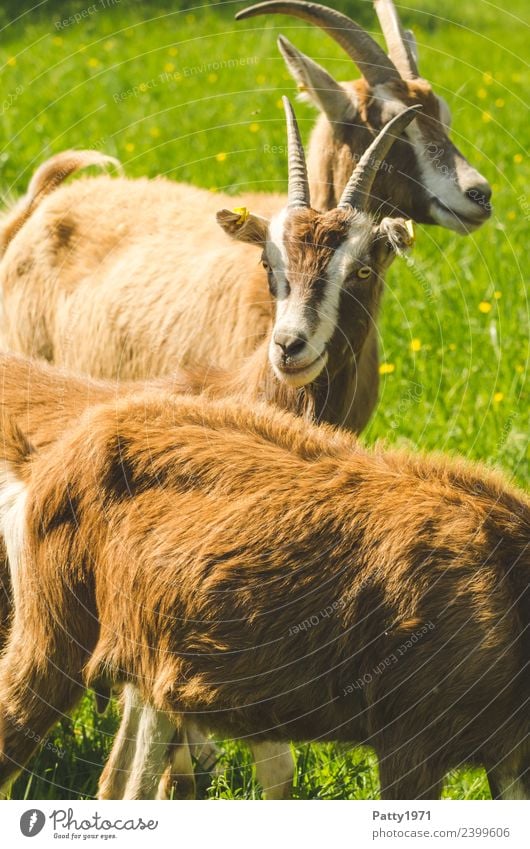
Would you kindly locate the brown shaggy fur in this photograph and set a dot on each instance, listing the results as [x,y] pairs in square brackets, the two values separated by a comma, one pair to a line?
[123,576]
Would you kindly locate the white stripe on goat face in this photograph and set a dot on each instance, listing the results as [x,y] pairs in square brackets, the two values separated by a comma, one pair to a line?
[308,280]
[458,195]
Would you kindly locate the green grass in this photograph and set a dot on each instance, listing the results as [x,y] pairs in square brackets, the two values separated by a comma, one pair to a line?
[465,390]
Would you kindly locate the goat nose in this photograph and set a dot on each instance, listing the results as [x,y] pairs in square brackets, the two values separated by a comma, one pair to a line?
[289,343]
[480,195]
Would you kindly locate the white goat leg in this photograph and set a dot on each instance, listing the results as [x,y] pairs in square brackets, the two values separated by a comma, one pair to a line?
[116,773]
[155,733]
[274,769]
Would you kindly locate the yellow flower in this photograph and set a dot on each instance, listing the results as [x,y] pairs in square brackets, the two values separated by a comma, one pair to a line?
[129,147]
[12,61]
[57,40]
[519,368]
[93,62]
[261,79]
[220,157]
[511,215]
[487,78]
[452,346]
[212,78]
[518,158]
[486,117]
[169,67]
[516,78]
[254,128]
[279,104]
[415,345]
[386,368]
[484,306]
[154,132]
[497,294]
[143,87]
[497,398]
[172,51]
[110,44]
[482,93]
[499,103]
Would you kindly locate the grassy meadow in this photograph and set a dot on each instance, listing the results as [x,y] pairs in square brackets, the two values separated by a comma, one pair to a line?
[191,94]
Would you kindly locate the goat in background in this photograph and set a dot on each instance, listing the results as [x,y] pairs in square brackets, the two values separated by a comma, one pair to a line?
[426,177]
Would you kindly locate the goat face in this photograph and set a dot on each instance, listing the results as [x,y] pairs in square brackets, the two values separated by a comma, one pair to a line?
[325,269]
[425,178]
[440,187]
[325,273]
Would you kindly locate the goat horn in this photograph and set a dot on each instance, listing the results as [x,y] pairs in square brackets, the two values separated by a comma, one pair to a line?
[371,59]
[359,186]
[396,39]
[298,192]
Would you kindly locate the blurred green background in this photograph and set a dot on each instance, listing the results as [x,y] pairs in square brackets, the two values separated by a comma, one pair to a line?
[183,90]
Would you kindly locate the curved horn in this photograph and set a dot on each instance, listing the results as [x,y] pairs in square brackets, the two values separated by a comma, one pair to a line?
[396,39]
[359,186]
[298,192]
[371,59]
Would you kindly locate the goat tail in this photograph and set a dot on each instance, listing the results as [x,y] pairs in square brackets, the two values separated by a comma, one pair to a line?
[45,180]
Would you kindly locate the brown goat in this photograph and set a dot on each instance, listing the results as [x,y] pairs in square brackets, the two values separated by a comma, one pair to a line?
[337,594]
[45,401]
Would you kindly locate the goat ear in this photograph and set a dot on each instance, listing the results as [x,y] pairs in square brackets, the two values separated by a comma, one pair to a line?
[243,226]
[316,85]
[398,233]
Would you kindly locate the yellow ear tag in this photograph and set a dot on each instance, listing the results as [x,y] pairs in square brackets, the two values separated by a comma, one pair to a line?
[302,88]
[243,213]
[409,224]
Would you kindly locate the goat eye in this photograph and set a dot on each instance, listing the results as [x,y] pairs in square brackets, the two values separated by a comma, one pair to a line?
[364,271]
[265,265]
